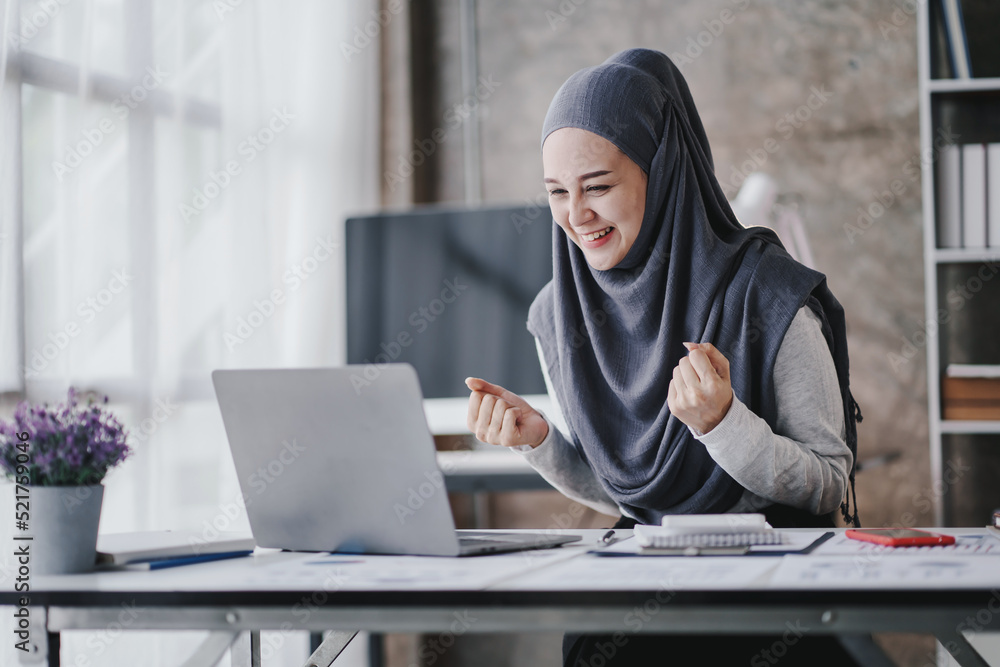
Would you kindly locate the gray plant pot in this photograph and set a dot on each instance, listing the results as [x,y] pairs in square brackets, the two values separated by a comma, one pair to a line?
[64,522]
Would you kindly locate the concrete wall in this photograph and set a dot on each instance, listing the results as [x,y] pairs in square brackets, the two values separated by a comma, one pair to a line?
[838,98]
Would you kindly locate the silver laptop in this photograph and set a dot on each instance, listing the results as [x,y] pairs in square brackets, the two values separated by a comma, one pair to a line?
[341,459]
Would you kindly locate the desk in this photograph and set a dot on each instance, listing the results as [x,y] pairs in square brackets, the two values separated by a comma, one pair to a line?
[522,592]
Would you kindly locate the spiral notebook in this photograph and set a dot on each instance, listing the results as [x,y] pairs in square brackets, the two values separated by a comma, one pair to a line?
[706,534]
[704,540]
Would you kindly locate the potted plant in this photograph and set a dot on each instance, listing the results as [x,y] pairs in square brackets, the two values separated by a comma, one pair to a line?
[57,457]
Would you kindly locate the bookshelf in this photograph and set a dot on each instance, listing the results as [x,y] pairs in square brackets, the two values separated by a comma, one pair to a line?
[970,108]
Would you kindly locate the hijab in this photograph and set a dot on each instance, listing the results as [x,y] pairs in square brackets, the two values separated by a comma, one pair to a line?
[611,338]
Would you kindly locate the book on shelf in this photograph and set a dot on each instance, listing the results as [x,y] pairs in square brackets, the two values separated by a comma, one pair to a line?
[958,46]
[967,196]
[974,195]
[971,391]
[981,24]
[948,196]
[139,547]
[993,195]
[963,39]
[971,411]
[940,57]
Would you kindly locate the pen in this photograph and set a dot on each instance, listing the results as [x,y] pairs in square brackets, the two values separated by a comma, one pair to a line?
[186,560]
[609,537]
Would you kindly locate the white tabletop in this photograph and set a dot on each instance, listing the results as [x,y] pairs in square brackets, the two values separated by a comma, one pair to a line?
[834,565]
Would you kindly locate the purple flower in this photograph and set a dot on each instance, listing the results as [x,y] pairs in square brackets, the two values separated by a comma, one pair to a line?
[68,445]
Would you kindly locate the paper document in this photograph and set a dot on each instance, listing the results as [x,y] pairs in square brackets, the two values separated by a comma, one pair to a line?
[331,572]
[594,573]
[885,571]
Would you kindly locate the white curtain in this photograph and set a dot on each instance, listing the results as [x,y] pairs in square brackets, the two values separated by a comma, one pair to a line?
[174,176]
[187,167]
[11,379]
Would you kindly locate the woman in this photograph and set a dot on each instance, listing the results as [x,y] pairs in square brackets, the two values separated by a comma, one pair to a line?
[698,367]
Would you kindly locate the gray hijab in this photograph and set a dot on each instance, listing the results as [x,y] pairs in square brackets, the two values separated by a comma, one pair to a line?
[611,339]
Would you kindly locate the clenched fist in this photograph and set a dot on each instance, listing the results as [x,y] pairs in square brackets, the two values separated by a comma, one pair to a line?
[701,393]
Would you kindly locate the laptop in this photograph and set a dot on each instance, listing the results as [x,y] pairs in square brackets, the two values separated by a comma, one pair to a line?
[342,460]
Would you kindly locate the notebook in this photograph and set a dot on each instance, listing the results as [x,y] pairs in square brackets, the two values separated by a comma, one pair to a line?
[696,534]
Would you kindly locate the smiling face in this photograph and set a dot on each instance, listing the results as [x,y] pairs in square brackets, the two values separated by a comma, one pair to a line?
[597,194]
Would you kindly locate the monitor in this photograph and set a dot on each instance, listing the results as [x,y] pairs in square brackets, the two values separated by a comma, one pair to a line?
[447,290]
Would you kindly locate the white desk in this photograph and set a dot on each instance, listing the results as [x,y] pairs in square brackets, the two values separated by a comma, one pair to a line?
[528,592]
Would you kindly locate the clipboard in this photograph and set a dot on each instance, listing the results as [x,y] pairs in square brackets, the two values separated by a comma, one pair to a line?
[629,548]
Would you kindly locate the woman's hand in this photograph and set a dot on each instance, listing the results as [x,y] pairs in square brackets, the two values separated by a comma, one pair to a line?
[700,393]
[499,417]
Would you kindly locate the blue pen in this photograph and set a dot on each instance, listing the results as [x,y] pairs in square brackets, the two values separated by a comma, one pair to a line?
[190,560]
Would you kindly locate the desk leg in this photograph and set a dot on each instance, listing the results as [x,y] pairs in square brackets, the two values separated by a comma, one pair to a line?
[211,651]
[376,649]
[36,645]
[245,651]
[865,651]
[332,646]
[54,649]
[959,647]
